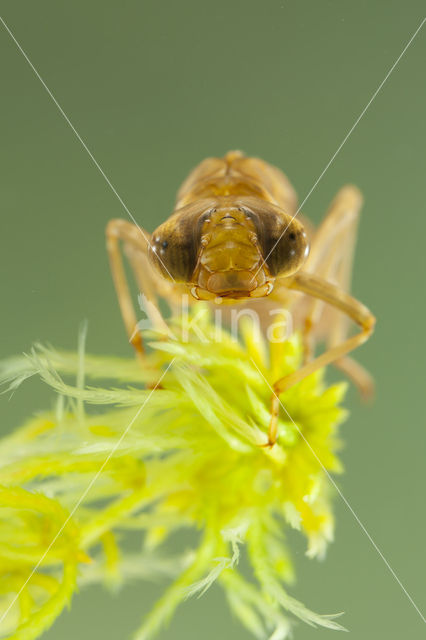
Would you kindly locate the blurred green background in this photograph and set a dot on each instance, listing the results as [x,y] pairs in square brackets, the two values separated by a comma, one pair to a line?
[153,88]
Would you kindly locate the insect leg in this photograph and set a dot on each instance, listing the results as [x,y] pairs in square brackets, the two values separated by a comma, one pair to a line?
[136,247]
[337,298]
[331,258]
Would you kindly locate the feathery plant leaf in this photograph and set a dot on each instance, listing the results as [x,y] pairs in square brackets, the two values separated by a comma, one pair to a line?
[122,454]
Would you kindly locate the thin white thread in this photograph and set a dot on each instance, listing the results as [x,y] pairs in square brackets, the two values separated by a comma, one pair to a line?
[331,479]
[345,138]
[80,139]
[140,229]
[85,492]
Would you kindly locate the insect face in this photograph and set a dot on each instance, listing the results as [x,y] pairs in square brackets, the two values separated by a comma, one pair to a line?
[231,249]
[229,256]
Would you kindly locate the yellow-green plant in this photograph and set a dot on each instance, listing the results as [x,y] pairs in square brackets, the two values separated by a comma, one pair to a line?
[172,442]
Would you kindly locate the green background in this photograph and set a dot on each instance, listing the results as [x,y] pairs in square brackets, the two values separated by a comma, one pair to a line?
[154,87]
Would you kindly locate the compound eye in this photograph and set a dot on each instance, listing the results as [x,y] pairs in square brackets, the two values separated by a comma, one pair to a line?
[173,251]
[285,245]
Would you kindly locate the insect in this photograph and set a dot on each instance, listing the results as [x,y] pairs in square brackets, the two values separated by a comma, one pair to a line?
[235,237]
